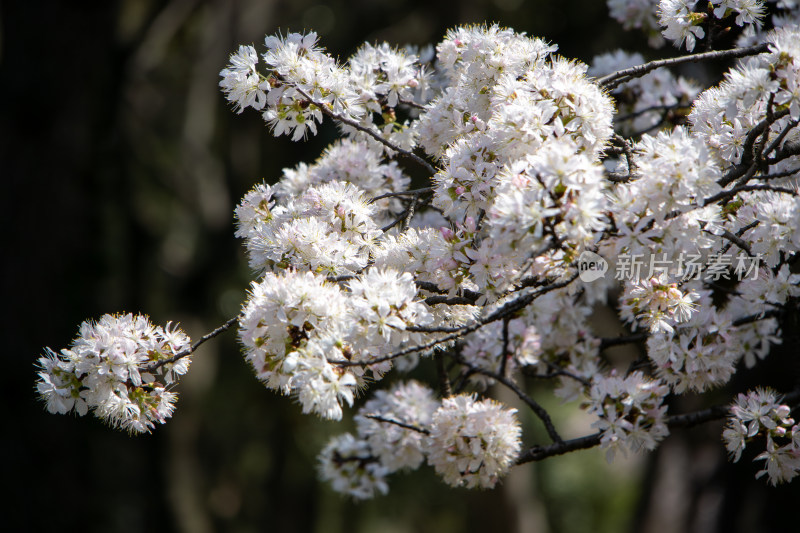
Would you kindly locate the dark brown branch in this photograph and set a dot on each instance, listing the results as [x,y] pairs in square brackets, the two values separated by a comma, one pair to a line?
[698,417]
[748,155]
[456,334]
[724,195]
[410,213]
[540,411]
[626,149]
[444,379]
[777,175]
[621,76]
[735,239]
[504,355]
[413,192]
[785,152]
[472,296]
[537,453]
[410,103]
[619,341]
[454,300]
[780,137]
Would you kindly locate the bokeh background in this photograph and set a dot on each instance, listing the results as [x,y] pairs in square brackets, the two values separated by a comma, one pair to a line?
[121,163]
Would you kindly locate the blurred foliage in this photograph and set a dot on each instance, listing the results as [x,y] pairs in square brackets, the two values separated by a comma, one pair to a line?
[121,165]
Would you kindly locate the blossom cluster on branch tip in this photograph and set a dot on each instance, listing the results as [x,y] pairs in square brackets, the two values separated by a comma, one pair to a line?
[759,413]
[106,370]
[630,411]
[534,164]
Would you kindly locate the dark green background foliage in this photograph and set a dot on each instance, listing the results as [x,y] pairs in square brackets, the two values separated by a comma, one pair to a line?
[121,163]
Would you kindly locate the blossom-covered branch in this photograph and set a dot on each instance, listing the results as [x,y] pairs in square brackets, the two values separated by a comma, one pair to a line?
[552,188]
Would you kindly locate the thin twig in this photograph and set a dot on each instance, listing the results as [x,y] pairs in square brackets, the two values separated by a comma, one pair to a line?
[735,239]
[353,124]
[555,371]
[780,137]
[772,313]
[410,103]
[398,423]
[400,218]
[459,331]
[188,351]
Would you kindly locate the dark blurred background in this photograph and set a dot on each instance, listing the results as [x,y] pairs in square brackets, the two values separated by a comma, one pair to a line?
[121,163]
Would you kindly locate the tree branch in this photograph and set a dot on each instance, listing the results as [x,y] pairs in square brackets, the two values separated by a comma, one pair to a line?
[621,76]
[537,453]
[397,423]
[413,192]
[353,124]
[188,351]
[540,411]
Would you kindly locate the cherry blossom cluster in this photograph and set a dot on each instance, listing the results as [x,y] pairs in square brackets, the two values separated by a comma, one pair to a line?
[760,414]
[468,442]
[392,436]
[119,368]
[301,82]
[703,353]
[666,210]
[683,25]
[657,304]
[295,326]
[630,411]
[473,443]
[687,22]
[329,229]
